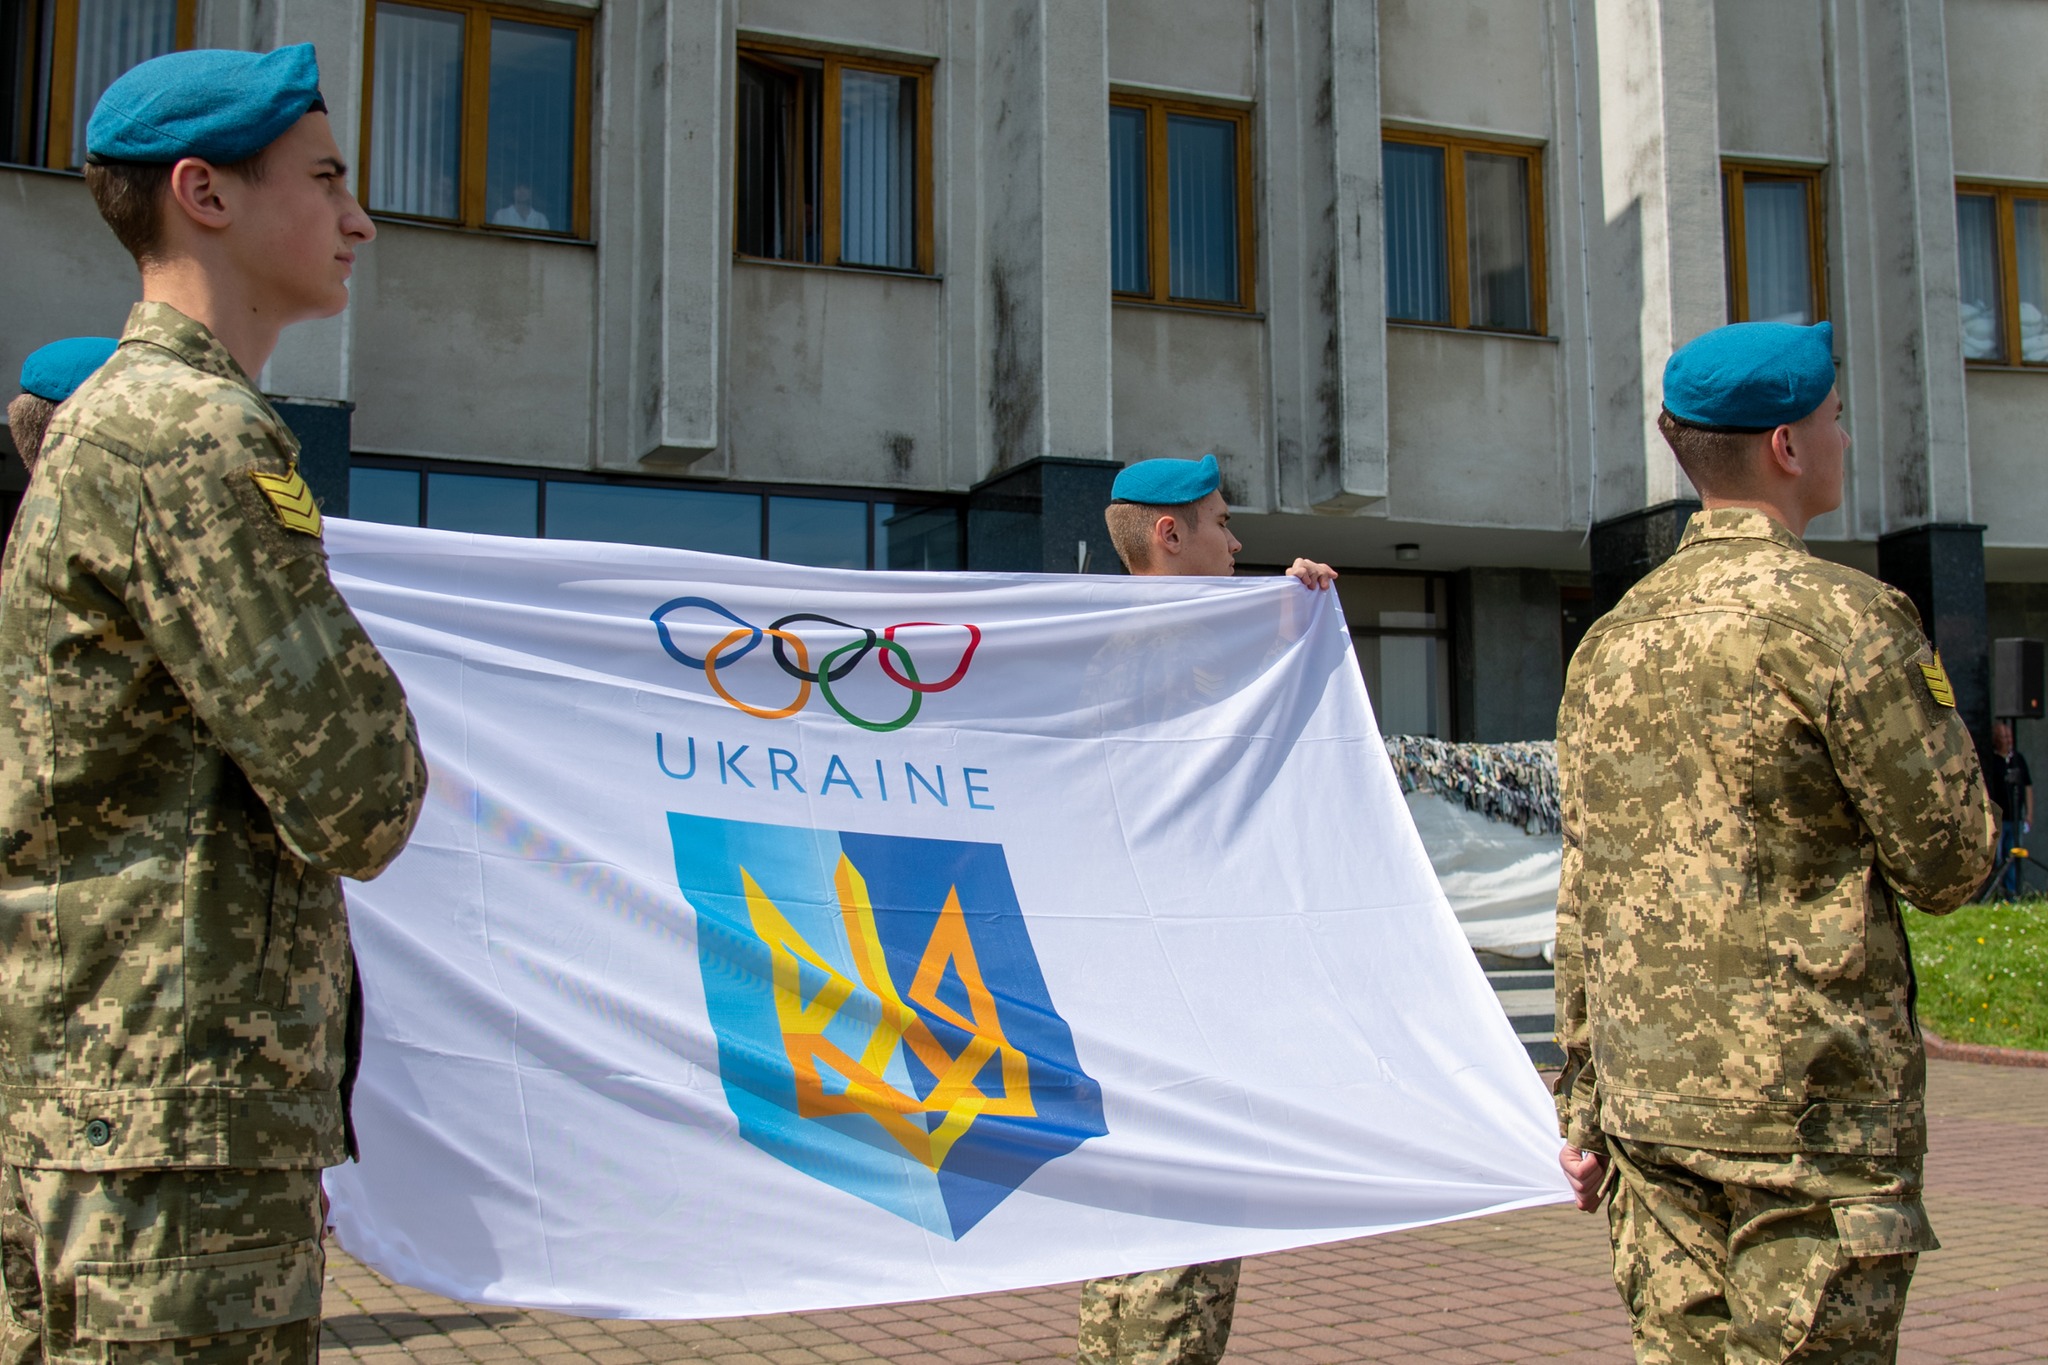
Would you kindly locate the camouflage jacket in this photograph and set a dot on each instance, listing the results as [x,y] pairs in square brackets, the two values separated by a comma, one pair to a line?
[196,739]
[1757,759]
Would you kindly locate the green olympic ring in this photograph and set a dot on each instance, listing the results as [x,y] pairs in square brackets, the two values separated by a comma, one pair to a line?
[825,676]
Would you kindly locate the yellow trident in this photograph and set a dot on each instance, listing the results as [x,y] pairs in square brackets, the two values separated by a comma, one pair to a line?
[955,1095]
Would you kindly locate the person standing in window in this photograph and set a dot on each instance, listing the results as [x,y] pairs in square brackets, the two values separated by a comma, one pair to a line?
[1167,517]
[200,741]
[2012,787]
[521,213]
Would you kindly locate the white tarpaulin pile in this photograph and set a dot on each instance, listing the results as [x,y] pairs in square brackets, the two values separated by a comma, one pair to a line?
[1500,881]
[1488,814]
[781,938]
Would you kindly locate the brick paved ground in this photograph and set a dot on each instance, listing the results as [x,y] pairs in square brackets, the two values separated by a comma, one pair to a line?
[1523,1286]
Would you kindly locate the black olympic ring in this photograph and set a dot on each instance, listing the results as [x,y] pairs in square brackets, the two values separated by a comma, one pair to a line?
[804,675]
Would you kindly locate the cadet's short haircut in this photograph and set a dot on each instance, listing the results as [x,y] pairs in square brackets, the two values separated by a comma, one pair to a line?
[130,196]
[1130,529]
[1715,461]
[28,417]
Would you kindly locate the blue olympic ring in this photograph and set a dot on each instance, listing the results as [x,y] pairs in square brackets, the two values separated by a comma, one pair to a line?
[675,651]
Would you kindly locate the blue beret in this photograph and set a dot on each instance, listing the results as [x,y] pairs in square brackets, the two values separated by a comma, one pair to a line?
[1751,375]
[56,371]
[1167,483]
[218,105]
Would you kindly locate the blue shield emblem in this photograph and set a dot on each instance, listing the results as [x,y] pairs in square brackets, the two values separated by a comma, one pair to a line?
[882,1022]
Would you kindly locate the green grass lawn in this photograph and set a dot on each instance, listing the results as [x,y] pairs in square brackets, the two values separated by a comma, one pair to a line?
[1984,973]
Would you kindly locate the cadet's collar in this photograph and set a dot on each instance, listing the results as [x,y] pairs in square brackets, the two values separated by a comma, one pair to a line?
[1739,523]
[159,324]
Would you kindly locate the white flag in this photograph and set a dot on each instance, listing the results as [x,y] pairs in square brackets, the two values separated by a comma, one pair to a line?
[781,938]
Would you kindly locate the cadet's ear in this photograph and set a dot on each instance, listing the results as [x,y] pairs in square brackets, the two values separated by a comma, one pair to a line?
[1166,534]
[196,192]
[1783,457]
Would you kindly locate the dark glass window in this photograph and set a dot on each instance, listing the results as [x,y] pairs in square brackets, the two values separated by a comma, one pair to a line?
[780,105]
[530,165]
[1983,283]
[477,115]
[1130,246]
[387,495]
[57,57]
[808,122]
[822,531]
[485,503]
[684,518]
[1183,167]
[912,537]
[1418,257]
[1201,199]
[841,532]
[1464,231]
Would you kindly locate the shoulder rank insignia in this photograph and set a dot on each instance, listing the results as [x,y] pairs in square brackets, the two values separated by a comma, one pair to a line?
[290,499]
[1937,682]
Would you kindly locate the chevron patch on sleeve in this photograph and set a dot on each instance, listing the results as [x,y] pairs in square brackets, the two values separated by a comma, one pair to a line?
[291,500]
[1937,682]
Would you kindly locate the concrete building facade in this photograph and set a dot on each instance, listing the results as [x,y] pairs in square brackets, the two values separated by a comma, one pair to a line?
[902,282]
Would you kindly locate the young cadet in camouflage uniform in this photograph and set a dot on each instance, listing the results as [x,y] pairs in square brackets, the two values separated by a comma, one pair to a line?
[1168,518]
[1760,760]
[50,375]
[197,740]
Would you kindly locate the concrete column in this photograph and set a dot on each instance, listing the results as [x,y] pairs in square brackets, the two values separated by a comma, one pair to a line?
[1045,229]
[1626,547]
[1509,652]
[1893,229]
[664,232]
[1324,283]
[1941,567]
[1656,242]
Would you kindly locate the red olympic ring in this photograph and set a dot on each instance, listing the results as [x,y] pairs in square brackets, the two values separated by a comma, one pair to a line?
[803,660]
[952,679]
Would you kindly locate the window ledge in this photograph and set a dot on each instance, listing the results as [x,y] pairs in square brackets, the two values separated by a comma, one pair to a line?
[1217,310]
[551,239]
[1444,328]
[872,272]
[42,170]
[2000,367]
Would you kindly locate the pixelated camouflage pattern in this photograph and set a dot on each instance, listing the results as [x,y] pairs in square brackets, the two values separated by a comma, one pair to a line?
[1753,772]
[1178,1316]
[164,1266]
[1794,1257]
[196,740]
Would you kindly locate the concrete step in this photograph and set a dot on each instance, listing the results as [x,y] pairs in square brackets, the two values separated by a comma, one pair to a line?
[1527,990]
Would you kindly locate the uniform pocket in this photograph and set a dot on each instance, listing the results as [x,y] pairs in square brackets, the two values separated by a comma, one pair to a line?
[287,891]
[1883,1227]
[199,1296]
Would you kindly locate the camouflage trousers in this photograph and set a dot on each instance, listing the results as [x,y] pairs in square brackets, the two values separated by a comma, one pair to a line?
[1757,1258]
[187,1266]
[1159,1317]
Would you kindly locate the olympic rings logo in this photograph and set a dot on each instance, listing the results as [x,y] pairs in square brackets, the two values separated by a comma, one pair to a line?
[836,664]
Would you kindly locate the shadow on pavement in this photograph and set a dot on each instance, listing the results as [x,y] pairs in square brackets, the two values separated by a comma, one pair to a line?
[355,1327]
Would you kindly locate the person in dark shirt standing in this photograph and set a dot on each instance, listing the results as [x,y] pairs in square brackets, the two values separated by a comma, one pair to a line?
[2012,788]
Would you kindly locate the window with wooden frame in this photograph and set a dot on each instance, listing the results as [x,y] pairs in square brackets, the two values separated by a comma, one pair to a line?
[477,114]
[1777,243]
[2002,241]
[59,58]
[1464,232]
[1180,202]
[832,159]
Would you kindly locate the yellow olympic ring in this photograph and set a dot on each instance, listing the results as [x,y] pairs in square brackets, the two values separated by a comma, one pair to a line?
[803,660]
